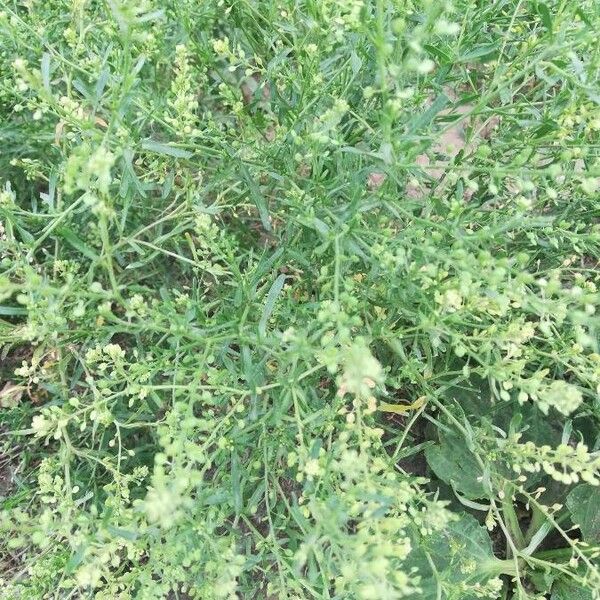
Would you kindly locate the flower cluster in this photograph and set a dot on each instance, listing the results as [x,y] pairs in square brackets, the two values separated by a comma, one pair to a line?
[183,103]
[565,464]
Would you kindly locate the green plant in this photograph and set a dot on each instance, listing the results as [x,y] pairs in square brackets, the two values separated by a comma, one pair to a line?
[298,299]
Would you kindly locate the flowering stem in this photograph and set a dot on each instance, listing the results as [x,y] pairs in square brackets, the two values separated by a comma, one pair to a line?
[108,257]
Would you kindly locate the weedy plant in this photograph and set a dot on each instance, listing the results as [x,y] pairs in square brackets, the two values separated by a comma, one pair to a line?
[298,299]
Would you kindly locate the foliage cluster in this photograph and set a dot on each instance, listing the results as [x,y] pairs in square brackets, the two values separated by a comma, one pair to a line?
[299,299]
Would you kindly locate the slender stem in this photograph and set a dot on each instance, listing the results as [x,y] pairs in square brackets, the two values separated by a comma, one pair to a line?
[512,520]
[107,255]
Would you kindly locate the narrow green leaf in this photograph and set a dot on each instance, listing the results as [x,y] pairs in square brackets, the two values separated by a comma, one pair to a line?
[479,52]
[158,148]
[270,303]
[12,311]
[257,198]
[45,68]
[101,83]
[27,237]
[77,243]
[122,533]
[545,16]
[236,487]
[441,56]
[427,116]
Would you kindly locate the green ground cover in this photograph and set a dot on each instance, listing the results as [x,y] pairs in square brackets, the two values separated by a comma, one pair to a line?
[298,299]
